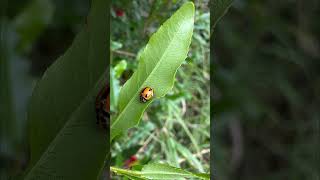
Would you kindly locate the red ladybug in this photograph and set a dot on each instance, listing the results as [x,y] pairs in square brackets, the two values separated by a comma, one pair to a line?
[103,107]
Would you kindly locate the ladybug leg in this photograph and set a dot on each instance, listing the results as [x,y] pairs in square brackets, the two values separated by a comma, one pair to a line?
[141,98]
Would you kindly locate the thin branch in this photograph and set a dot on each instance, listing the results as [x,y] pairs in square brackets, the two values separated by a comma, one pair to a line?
[201,153]
[125,53]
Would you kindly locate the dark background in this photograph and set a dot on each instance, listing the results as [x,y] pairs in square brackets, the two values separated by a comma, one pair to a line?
[266,77]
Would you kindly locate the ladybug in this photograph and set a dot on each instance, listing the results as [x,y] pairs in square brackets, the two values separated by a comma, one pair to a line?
[103,107]
[146,94]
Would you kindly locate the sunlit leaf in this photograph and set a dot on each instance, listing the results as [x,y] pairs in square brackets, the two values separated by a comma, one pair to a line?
[164,171]
[157,171]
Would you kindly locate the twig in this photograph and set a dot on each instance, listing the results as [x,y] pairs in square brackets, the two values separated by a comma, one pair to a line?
[125,53]
[146,143]
[184,107]
[204,151]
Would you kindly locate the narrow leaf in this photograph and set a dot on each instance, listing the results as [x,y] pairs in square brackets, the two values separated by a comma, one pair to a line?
[156,171]
[202,175]
[164,171]
[135,175]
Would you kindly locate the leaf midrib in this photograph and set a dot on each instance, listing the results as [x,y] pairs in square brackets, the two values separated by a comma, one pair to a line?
[156,173]
[140,87]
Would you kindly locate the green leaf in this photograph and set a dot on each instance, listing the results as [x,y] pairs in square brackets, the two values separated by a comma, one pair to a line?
[115,45]
[119,68]
[218,9]
[134,178]
[156,171]
[64,138]
[116,73]
[202,175]
[114,90]
[135,175]
[164,171]
[158,63]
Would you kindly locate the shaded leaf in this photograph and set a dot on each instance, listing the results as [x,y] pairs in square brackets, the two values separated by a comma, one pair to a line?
[64,137]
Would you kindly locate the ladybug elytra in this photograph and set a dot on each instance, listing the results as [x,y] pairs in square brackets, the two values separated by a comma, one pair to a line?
[146,94]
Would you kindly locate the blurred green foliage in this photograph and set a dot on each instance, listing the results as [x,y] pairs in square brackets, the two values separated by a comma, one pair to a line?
[174,129]
[266,91]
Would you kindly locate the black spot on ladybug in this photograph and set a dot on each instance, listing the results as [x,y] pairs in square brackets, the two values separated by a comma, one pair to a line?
[146,94]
